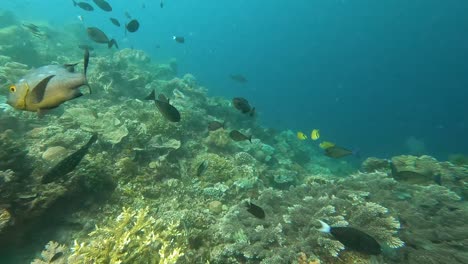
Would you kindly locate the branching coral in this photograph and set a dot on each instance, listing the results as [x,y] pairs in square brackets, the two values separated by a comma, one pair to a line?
[53,253]
[133,237]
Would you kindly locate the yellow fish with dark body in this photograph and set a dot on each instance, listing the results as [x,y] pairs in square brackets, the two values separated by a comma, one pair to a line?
[48,87]
[301,136]
[315,134]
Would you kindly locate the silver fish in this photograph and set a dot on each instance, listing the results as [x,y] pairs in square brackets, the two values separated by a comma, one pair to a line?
[48,87]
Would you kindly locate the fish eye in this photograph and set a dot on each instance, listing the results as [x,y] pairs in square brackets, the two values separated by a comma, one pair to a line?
[12,88]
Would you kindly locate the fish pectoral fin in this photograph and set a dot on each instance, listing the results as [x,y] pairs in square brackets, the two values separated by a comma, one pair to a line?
[37,93]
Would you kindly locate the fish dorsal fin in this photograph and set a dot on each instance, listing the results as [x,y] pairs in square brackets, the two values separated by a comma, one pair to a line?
[37,93]
[151,96]
[70,66]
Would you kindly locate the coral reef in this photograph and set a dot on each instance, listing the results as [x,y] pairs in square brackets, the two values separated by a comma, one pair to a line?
[414,206]
[133,237]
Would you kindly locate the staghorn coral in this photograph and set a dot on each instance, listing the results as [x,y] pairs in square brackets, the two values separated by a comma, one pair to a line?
[53,252]
[133,237]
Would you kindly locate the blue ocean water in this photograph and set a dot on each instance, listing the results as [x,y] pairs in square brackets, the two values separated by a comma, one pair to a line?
[381,76]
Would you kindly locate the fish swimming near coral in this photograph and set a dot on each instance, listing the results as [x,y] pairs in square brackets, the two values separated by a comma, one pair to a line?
[103,5]
[98,36]
[238,136]
[215,125]
[68,164]
[165,108]
[48,87]
[255,210]
[413,177]
[202,168]
[132,26]
[315,134]
[83,5]
[353,239]
[115,21]
[56,256]
[243,106]
[338,152]
[301,136]
[238,78]
[35,30]
[326,144]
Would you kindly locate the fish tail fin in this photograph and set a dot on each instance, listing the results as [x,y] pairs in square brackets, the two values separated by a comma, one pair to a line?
[74,3]
[92,140]
[111,43]
[325,227]
[250,138]
[151,96]
[86,63]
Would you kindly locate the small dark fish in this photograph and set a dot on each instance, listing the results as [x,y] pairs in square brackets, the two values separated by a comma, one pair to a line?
[338,152]
[242,105]
[56,256]
[83,5]
[115,21]
[215,125]
[35,30]
[238,78]
[103,5]
[179,39]
[31,27]
[132,26]
[202,168]
[167,110]
[68,164]
[255,210]
[353,239]
[238,136]
[85,47]
[127,15]
[98,36]
[161,4]
[412,177]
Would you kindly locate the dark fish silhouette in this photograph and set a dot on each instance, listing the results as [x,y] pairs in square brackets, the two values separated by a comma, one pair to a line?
[47,87]
[255,210]
[238,78]
[56,256]
[132,26]
[215,125]
[412,177]
[68,164]
[115,21]
[98,36]
[238,136]
[161,4]
[179,39]
[103,5]
[337,152]
[202,168]
[35,30]
[353,239]
[243,105]
[83,5]
[167,110]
